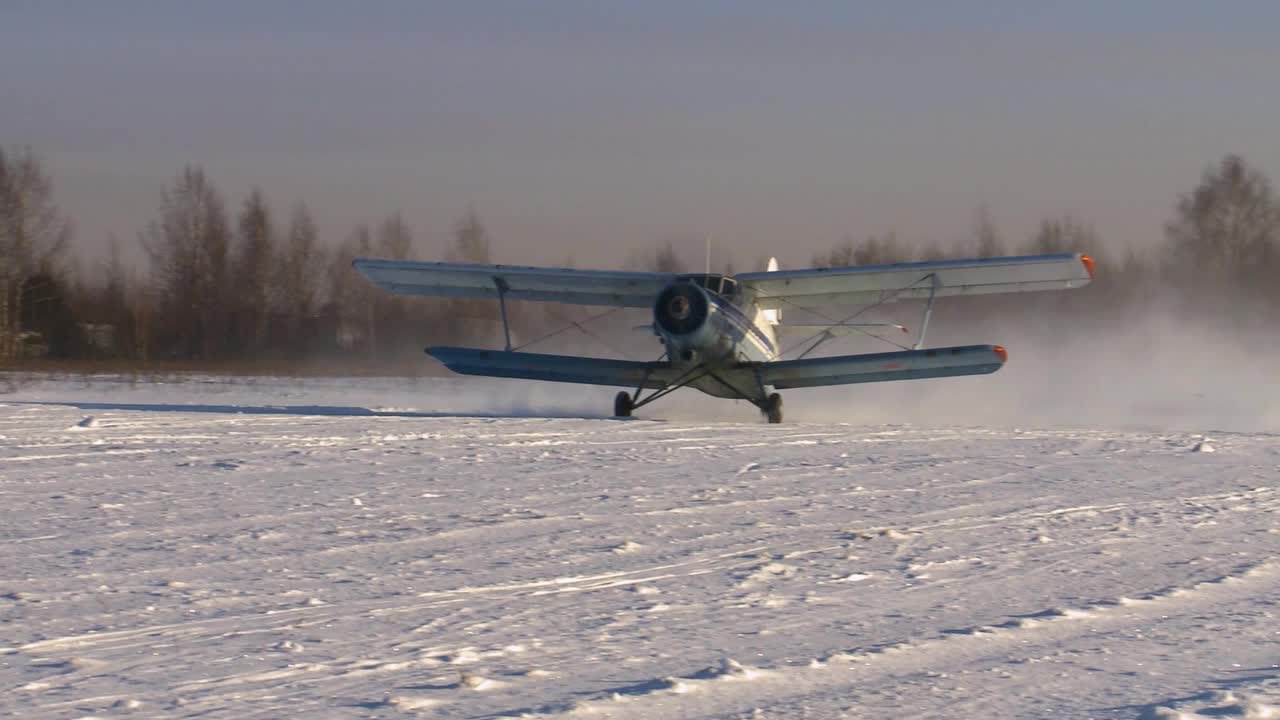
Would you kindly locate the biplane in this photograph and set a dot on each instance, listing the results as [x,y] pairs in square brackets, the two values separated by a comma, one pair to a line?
[720,333]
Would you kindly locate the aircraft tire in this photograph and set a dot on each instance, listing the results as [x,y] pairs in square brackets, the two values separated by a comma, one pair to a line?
[773,408]
[622,405]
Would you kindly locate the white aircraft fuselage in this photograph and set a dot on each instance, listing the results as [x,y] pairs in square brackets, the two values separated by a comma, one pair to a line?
[707,320]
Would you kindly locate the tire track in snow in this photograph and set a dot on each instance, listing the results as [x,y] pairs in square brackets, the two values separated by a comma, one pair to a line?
[381,606]
[213,691]
[1018,636]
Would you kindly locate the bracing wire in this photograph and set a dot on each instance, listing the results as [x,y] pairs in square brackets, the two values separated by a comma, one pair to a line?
[579,325]
[843,322]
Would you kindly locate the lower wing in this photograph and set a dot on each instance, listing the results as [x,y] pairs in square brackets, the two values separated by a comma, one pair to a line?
[881,367]
[810,372]
[555,368]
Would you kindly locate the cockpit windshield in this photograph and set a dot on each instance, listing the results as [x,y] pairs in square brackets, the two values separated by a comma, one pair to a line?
[725,287]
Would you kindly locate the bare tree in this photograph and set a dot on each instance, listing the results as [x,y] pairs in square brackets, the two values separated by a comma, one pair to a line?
[394,313]
[666,259]
[129,306]
[1228,228]
[470,241]
[874,250]
[1062,235]
[986,239]
[187,248]
[395,239]
[470,320]
[33,237]
[251,277]
[350,295]
[103,304]
[839,256]
[47,311]
[297,278]
[930,251]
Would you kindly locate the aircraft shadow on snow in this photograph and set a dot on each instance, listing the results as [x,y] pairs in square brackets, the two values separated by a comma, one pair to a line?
[307,410]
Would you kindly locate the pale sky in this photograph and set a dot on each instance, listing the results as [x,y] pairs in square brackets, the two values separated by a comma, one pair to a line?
[590,129]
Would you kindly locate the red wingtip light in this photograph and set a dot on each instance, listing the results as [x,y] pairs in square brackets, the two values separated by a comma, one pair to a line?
[1001,353]
[1089,265]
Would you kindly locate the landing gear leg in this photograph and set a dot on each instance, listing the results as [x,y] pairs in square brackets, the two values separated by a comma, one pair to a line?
[623,405]
[772,408]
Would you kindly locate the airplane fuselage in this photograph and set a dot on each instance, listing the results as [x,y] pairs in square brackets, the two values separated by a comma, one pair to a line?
[703,320]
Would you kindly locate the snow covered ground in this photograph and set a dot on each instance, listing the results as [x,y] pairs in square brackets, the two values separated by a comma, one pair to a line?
[438,549]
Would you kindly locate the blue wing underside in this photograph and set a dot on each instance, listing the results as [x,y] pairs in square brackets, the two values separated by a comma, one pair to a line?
[811,372]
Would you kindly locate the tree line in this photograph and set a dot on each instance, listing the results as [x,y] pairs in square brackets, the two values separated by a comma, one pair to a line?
[220,286]
[246,284]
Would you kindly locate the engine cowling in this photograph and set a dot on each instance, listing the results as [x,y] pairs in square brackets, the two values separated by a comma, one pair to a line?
[681,309]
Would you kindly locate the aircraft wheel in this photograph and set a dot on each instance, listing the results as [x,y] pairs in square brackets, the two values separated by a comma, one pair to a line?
[773,408]
[622,405]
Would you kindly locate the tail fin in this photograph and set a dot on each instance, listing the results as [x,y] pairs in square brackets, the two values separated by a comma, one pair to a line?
[773,316]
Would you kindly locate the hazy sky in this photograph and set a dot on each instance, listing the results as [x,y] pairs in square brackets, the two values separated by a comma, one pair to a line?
[588,129]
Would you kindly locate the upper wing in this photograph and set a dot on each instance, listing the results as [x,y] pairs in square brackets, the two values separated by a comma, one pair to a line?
[581,287]
[556,368]
[880,367]
[870,284]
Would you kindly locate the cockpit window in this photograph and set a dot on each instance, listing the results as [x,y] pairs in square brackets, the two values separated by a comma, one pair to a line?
[717,284]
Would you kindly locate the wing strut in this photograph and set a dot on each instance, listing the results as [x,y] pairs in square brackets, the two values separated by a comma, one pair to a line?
[503,288]
[934,284]
[823,336]
[693,374]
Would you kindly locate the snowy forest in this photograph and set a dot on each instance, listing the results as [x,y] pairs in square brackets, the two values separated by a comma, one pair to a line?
[245,285]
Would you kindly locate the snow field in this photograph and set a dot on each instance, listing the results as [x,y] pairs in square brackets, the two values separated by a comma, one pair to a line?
[329,549]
